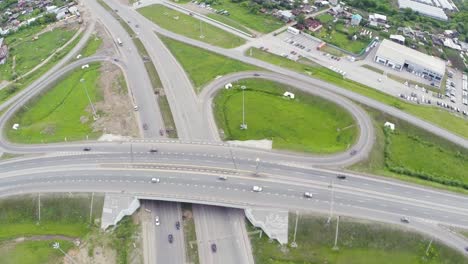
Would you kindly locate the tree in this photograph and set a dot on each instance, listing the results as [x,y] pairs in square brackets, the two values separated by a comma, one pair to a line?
[300,19]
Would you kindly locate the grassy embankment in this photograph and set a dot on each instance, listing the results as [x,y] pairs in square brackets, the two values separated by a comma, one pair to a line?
[432,114]
[306,124]
[152,73]
[413,154]
[359,242]
[93,44]
[189,26]
[61,112]
[241,14]
[22,83]
[203,66]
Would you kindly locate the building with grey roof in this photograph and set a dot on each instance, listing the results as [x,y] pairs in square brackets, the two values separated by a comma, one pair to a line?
[423,9]
[399,57]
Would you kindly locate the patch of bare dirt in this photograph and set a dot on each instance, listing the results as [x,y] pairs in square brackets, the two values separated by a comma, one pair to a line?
[107,47]
[97,250]
[116,115]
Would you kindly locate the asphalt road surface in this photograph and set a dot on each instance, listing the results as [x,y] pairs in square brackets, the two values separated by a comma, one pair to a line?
[225,228]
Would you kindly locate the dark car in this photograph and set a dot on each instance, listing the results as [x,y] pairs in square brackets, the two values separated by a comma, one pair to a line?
[256,74]
[353,152]
[170,238]
[213,247]
[145,126]
[466,249]
[341,176]
[161,132]
[153,150]
[177,225]
[86,149]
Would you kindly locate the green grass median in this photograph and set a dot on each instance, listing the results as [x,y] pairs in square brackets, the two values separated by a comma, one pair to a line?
[432,114]
[359,242]
[189,26]
[306,124]
[62,112]
[203,66]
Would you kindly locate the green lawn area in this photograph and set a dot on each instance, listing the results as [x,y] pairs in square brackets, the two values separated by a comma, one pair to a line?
[32,252]
[325,18]
[341,40]
[61,112]
[431,114]
[413,154]
[228,21]
[201,65]
[61,214]
[190,235]
[306,124]
[25,52]
[189,26]
[93,44]
[240,12]
[20,84]
[359,242]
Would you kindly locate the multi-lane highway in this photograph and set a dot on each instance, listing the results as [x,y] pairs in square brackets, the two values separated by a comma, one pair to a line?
[189,169]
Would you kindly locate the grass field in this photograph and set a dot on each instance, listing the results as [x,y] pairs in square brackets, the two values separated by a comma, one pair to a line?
[203,66]
[190,235]
[32,252]
[258,22]
[432,114]
[189,26]
[61,214]
[416,155]
[25,52]
[228,21]
[307,123]
[19,85]
[61,112]
[93,44]
[358,242]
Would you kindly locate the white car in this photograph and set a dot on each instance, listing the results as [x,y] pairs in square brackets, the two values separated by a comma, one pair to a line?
[308,194]
[222,177]
[405,219]
[135,107]
[156,220]
[155,180]
[257,188]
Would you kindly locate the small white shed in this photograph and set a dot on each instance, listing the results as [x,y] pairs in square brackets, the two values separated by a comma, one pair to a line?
[228,86]
[390,125]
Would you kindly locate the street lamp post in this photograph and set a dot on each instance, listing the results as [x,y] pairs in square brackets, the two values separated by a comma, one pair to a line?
[89,99]
[243,125]
[257,164]
[56,245]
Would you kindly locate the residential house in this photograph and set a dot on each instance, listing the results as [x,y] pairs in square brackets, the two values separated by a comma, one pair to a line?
[286,15]
[356,19]
[312,24]
[377,20]
[398,39]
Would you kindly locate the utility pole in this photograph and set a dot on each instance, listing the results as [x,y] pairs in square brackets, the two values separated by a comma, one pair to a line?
[91,208]
[56,245]
[294,244]
[243,125]
[89,99]
[429,246]
[201,30]
[257,164]
[39,207]
[332,201]
[335,247]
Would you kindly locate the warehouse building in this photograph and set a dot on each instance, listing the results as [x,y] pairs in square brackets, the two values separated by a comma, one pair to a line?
[399,57]
[423,9]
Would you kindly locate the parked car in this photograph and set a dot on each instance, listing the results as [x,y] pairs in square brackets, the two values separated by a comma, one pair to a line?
[308,194]
[156,220]
[222,177]
[177,225]
[153,150]
[87,149]
[170,238]
[341,176]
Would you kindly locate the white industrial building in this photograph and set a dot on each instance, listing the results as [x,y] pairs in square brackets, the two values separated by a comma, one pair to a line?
[399,57]
[423,9]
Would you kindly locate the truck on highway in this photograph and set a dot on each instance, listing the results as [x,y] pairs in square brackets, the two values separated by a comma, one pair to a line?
[119,42]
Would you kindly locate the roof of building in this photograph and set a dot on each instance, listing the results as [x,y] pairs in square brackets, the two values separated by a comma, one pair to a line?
[310,22]
[398,37]
[424,9]
[356,16]
[377,16]
[399,54]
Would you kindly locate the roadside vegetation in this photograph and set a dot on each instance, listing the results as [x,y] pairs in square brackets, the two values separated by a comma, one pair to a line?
[306,124]
[228,21]
[190,236]
[411,153]
[359,242]
[62,113]
[248,15]
[431,114]
[5,156]
[93,44]
[30,47]
[20,84]
[203,66]
[189,26]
